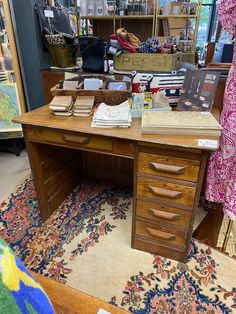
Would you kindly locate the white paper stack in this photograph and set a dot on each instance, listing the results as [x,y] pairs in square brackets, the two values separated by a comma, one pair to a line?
[83,106]
[112,116]
[62,105]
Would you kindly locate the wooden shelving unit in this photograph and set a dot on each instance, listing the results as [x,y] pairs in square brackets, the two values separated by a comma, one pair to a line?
[145,26]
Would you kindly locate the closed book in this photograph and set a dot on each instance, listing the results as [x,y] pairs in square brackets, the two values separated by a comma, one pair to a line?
[180,123]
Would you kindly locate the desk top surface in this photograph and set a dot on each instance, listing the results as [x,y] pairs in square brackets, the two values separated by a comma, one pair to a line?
[43,117]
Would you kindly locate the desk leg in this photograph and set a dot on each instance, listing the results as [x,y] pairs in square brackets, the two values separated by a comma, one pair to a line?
[56,172]
[36,169]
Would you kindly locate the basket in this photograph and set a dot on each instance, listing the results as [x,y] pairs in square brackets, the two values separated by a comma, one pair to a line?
[63,56]
[110,97]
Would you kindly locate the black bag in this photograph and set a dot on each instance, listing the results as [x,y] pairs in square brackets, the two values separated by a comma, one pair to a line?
[59,23]
[93,53]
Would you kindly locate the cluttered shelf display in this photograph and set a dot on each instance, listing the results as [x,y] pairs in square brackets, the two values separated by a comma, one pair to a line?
[11,92]
[176,21]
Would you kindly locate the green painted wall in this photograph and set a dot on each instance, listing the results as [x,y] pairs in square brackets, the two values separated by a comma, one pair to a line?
[31,50]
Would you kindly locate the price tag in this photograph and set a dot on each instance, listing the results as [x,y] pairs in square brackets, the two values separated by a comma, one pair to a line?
[48,13]
[101,311]
[208,143]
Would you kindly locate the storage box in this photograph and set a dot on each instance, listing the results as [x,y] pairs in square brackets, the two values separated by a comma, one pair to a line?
[110,97]
[147,62]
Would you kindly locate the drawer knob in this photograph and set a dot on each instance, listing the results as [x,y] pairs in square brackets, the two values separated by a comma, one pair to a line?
[164,192]
[160,234]
[163,215]
[167,168]
[75,139]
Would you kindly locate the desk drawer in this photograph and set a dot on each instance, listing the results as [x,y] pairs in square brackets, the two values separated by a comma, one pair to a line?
[158,212]
[171,167]
[70,139]
[165,191]
[157,232]
[156,248]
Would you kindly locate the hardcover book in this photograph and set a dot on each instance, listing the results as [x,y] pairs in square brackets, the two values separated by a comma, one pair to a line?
[198,92]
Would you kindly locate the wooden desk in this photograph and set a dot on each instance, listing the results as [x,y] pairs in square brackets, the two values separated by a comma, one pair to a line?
[166,173]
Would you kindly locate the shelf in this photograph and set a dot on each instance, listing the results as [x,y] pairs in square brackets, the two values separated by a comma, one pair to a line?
[130,17]
[118,17]
[99,17]
[177,16]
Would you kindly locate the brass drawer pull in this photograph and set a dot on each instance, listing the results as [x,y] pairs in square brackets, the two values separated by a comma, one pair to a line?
[163,215]
[160,234]
[75,139]
[167,168]
[164,192]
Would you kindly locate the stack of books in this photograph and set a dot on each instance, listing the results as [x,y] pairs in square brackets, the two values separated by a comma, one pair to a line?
[83,106]
[180,123]
[62,105]
[112,116]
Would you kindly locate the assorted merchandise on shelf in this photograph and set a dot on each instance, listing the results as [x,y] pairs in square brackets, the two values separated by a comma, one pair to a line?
[123,41]
[120,7]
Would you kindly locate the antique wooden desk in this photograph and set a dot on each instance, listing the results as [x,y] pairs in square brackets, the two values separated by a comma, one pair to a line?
[166,173]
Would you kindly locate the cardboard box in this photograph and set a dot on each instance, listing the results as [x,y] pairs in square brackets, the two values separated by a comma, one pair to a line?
[147,62]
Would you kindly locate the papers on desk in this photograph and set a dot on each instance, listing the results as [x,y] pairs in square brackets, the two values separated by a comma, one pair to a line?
[112,116]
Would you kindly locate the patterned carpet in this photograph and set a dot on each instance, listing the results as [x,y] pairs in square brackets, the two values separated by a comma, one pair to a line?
[86,245]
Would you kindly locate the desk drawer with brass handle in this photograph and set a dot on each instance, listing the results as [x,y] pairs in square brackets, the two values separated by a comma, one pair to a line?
[161,233]
[159,249]
[70,139]
[165,191]
[171,167]
[170,215]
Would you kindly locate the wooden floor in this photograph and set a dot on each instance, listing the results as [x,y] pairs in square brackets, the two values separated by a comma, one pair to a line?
[66,300]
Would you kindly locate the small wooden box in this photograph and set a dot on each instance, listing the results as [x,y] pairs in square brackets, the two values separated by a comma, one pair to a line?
[147,62]
[110,97]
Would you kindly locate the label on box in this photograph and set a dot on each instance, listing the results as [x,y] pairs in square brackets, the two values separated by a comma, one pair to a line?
[208,143]
[48,13]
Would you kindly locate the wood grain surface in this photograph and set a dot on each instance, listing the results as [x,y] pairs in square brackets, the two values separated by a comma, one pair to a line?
[167,166]
[187,193]
[44,117]
[67,300]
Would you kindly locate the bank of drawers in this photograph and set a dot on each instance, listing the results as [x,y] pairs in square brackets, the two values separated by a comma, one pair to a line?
[166,190]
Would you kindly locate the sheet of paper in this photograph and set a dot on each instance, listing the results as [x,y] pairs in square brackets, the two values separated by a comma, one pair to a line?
[101,311]
[208,143]
[48,13]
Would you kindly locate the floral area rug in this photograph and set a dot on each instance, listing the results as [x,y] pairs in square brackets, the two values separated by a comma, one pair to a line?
[86,244]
